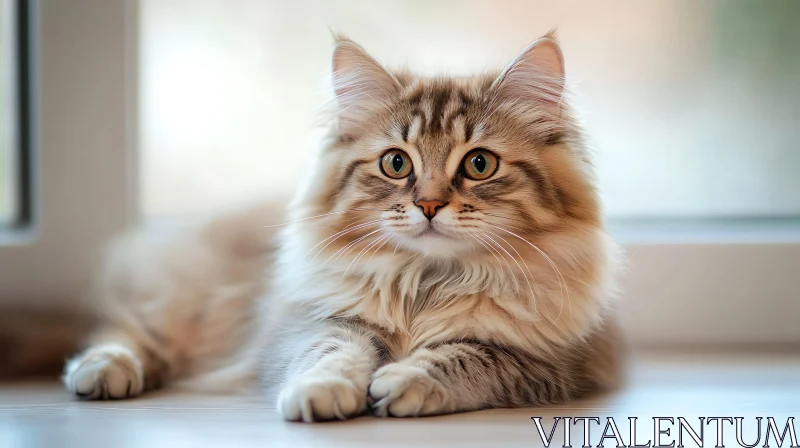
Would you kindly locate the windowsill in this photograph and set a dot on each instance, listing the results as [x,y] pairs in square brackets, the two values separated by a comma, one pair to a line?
[664,384]
[705,231]
[18,236]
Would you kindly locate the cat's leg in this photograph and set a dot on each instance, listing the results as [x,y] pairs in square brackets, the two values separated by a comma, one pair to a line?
[329,379]
[464,376]
[470,375]
[114,366]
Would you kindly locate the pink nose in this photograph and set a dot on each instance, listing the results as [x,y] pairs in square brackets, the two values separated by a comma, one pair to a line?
[429,207]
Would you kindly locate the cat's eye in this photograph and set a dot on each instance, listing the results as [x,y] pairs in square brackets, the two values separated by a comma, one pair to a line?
[396,164]
[479,164]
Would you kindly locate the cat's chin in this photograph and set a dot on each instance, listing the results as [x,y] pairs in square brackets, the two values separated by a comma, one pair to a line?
[435,244]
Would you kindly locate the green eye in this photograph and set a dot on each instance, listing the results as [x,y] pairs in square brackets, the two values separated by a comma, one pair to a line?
[479,164]
[396,164]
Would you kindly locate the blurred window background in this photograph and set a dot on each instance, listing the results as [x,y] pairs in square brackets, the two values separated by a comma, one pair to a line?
[692,107]
[8,146]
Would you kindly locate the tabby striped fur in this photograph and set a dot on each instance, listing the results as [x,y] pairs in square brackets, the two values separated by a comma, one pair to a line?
[503,298]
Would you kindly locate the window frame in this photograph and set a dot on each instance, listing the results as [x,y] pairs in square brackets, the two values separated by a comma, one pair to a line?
[79,164]
[20,227]
[24,133]
[17,103]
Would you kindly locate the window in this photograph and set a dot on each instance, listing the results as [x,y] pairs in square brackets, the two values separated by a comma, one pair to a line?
[692,107]
[70,100]
[162,109]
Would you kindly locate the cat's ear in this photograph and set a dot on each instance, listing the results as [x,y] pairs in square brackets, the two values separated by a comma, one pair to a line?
[535,76]
[361,85]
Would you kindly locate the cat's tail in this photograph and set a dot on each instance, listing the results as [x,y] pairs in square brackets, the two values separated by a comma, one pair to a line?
[180,307]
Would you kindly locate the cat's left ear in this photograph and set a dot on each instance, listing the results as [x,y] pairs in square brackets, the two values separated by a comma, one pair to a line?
[536,75]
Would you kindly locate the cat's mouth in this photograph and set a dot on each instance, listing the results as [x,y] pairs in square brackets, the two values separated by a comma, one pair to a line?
[435,239]
[432,231]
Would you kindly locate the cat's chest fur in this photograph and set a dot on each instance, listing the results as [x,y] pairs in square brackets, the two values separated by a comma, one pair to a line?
[426,304]
[419,301]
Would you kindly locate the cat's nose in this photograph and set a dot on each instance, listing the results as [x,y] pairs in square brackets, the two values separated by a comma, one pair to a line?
[429,207]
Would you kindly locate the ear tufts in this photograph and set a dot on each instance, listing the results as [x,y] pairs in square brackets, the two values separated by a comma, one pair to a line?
[552,34]
[338,36]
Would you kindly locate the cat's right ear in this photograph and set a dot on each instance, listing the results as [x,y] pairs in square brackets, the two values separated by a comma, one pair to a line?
[361,84]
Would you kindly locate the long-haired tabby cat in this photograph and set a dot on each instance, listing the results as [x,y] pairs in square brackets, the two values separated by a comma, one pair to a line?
[448,254]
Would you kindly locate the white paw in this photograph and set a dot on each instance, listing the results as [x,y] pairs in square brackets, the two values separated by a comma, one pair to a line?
[104,372]
[317,397]
[401,390]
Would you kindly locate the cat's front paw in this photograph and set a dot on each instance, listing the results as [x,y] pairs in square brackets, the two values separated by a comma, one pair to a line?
[401,390]
[315,397]
[104,372]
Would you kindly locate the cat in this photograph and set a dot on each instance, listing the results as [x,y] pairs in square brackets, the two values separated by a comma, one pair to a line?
[446,254]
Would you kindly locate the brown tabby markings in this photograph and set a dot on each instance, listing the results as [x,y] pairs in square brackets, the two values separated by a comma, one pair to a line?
[435,114]
[502,298]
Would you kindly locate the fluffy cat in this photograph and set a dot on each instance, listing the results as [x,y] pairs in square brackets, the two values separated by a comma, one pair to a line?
[448,254]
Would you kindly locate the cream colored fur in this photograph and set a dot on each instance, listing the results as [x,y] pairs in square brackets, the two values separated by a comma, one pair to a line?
[181,304]
[365,303]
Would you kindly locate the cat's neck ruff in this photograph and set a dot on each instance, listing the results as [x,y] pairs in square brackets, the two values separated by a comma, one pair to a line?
[392,289]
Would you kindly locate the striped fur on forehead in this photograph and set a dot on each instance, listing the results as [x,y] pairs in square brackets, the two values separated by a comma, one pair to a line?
[446,290]
[507,300]
[440,107]
[518,114]
[546,159]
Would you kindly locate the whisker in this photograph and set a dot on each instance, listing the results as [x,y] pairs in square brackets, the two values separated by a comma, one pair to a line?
[364,251]
[327,214]
[471,247]
[486,247]
[510,269]
[338,234]
[396,245]
[509,219]
[355,220]
[386,240]
[350,244]
[527,268]
[562,283]
[505,255]
[518,265]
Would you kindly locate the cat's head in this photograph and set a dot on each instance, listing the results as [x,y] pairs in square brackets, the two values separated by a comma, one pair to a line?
[437,165]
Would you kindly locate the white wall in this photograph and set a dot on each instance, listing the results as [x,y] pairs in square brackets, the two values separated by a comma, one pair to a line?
[83,193]
[692,106]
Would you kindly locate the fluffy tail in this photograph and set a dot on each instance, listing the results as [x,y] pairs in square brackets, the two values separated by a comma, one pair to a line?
[180,307]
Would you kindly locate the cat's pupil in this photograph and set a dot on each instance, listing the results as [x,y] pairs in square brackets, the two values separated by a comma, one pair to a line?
[479,162]
[397,163]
